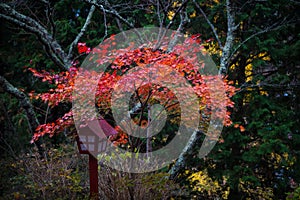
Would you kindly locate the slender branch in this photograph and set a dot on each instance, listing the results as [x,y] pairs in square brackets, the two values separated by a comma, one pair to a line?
[120,27]
[33,14]
[158,14]
[111,11]
[192,144]
[44,1]
[52,55]
[82,31]
[161,21]
[180,27]
[116,14]
[165,9]
[105,25]
[49,14]
[25,104]
[149,131]
[183,20]
[183,4]
[268,29]
[24,101]
[7,147]
[56,52]
[278,87]
[210,24]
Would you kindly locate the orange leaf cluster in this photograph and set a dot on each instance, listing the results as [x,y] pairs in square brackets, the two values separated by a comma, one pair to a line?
[64,83]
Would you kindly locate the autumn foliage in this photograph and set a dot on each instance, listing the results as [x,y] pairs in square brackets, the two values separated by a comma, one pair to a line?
[146,93]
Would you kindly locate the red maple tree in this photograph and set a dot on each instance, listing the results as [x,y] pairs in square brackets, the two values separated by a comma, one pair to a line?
[145,94]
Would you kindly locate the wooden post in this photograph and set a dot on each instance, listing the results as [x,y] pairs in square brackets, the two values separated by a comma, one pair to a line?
[148,140]
[93,169]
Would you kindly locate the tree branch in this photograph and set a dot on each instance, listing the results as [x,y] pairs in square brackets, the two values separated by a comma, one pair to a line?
[53,56]
[263,86]
[82,31]
[183,20]
[270,28]
[111,11]
[105,25]
[56,52]
[210,24]
[194,140]
[179,9]
[115,13]
[185,154]
[49,15]
[25,104]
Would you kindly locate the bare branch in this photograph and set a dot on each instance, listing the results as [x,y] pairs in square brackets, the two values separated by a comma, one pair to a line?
[105,25]
[183,20]
[55,51]
[115,13]
[165,9]
[82,31]
[183,17]
[210,24]
[52,55]
[44,1]
[49,15]
[262,85]
[183,4]
[268,29]
[24,101]
[158,14]
[185,154]
[25,104]
[110,11]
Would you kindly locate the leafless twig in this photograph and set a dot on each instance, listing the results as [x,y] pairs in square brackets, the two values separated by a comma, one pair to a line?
[210,24]
[268,29]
